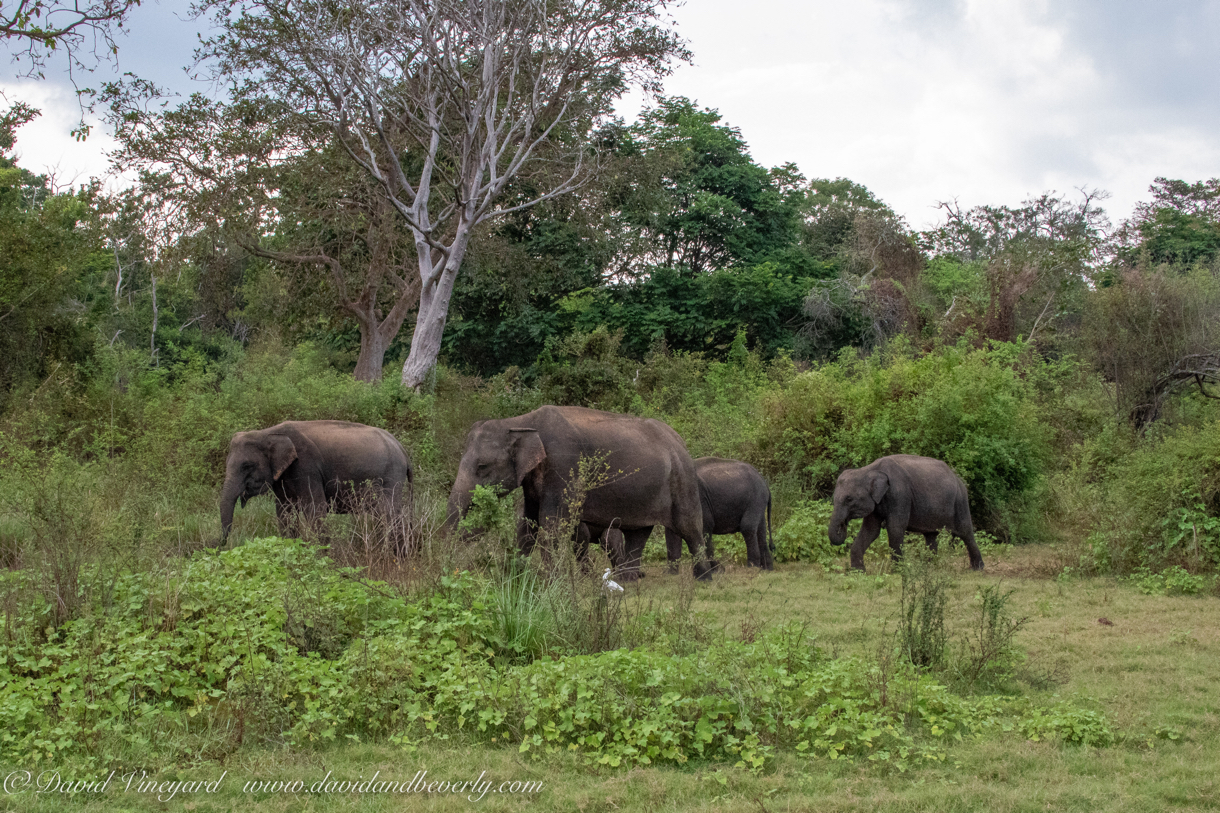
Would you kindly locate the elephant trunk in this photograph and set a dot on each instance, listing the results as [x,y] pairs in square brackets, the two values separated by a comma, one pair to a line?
[459,502]
[228,499]
[838,527]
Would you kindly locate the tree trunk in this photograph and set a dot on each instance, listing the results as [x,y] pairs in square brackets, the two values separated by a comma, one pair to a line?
[375,339]
[373,347]
[433,313]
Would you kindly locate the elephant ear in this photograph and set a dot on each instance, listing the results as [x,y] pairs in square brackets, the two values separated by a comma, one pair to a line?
[282,454]
[878,485]
[528,452]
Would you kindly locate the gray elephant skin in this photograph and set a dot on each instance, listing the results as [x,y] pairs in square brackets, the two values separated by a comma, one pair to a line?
[652,478]
[736,499]
[902,493]
[312,467]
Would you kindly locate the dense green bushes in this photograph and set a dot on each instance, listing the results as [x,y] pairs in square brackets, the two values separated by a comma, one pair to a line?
[1149,501]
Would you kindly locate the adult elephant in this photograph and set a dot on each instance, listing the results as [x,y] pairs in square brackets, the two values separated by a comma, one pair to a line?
[736,499]
[652,478]
[312,467]
[902,493]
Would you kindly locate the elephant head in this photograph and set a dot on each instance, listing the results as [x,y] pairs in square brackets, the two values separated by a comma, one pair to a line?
[496,454]
[857,493]
[256,461]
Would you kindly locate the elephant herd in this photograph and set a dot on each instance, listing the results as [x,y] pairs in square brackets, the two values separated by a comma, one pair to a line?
[644,477]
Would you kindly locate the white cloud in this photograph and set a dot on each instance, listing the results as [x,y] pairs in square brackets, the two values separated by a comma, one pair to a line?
[46,145]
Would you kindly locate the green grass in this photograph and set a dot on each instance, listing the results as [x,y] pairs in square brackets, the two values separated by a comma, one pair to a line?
[1152,671]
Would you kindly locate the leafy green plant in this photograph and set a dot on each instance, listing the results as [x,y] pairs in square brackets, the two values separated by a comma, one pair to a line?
[527,610]
[493,515]
[1169,582]
[803,538]
[1190,528]
[1072,725]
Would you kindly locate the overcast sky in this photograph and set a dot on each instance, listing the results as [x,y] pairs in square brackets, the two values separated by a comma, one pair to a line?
[983,101]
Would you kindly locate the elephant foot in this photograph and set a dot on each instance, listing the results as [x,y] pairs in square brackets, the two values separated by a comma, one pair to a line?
[672,568]
[629,576]
[716,566]
[703,571]
[977,565]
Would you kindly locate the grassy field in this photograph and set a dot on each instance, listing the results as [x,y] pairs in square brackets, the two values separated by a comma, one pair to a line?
[1148,662]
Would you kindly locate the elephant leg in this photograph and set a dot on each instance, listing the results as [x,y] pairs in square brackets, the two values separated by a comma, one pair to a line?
[972,549]
[709,547]
[896,533]
[633,554]
[754,531]
[527,527]
[615,545]
[550,516]
[933,540]
[288,518]
[390,513]
[673,550]
[869,531]
[698,548]
[756,545]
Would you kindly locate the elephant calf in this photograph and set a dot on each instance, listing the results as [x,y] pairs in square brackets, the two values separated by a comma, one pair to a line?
[736,499]
[312,467]
[902,493]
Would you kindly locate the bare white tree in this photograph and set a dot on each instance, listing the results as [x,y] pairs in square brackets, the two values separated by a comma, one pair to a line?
[461,110]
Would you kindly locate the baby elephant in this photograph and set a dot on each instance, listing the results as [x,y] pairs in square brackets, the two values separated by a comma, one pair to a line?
[735,499]
[312,467]
[902,493]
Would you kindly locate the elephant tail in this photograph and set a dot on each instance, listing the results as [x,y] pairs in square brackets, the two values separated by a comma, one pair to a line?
[770,538]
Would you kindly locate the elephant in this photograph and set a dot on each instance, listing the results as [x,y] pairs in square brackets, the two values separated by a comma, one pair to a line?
[312,467]
[735,499]
[611,539]
[903,493]
[652,480]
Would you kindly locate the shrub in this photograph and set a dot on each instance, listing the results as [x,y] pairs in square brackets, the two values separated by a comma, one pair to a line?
[585,369]
[1173,581]
[1155,500]
[803,537]
[988,654]
[926,582]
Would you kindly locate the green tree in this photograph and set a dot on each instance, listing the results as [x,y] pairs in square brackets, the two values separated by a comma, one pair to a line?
[1031,264]
[47,239]
[702,203]
[1179,226]
[507,301]
[829,210]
